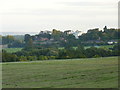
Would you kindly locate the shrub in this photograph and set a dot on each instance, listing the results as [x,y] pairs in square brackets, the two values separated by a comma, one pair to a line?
[31,58]
[23,58]
[43,57]
[96,56]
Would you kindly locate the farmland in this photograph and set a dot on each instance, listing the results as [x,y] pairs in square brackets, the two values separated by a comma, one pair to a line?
[12,50]
[71,73]
[102,46]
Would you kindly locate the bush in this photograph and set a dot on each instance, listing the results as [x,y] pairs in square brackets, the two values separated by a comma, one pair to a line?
[8,57]
[96,56]
[31,58]
[43,57]
[23,58]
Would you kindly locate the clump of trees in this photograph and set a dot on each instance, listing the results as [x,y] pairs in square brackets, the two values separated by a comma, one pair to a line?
[11,41]
[45,46]
[104,35]
[63,39]
[59,38]
[8,57]
[54,53]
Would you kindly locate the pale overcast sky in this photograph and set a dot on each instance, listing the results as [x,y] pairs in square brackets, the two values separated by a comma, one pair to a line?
[36,15]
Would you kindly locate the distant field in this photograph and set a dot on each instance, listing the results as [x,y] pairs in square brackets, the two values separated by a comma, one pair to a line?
[102,46]
[75,73]
[107,46]
[12,50]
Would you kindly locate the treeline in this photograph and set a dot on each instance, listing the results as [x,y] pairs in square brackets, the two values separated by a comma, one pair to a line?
[54,53]
[104,35]
[58,38]
[45,45]
[12,41]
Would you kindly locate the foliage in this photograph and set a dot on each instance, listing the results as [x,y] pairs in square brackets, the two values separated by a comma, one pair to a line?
[96,56]
[11,41]
[7,39]
[64,53]
[96,34]
[59,38]
[31,58]
[45,46]
[8,57]
[12,50]
[23,58]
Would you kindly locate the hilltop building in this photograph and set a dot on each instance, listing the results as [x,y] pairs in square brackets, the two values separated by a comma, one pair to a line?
[77,34]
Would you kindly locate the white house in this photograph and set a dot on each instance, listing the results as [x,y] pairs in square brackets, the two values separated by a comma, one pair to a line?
[77,34]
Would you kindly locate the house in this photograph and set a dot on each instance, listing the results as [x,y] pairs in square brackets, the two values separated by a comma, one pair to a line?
[112,42]
[44,39]
[77,34]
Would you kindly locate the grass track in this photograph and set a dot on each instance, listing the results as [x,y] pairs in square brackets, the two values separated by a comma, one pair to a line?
[84,73]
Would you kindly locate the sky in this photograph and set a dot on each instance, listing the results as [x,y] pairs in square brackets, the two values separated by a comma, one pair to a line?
[38,15]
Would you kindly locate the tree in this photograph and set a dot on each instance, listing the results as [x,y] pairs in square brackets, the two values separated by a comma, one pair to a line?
[31,58]
[7,39]
[56,34]
[23,58]
[80,52]
[8,57]
[43,57]
[27,38]
[28,42]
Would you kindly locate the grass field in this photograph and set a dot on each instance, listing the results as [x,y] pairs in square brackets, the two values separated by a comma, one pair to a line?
[77,73]
[12,50]
[102,46]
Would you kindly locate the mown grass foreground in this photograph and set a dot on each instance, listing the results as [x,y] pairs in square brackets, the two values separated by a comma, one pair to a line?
[76,73]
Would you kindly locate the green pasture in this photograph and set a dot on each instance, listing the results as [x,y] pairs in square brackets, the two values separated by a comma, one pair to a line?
[70,73]
[12,50]
[102,46]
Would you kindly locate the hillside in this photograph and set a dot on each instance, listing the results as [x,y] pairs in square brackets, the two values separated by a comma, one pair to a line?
[77,73]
